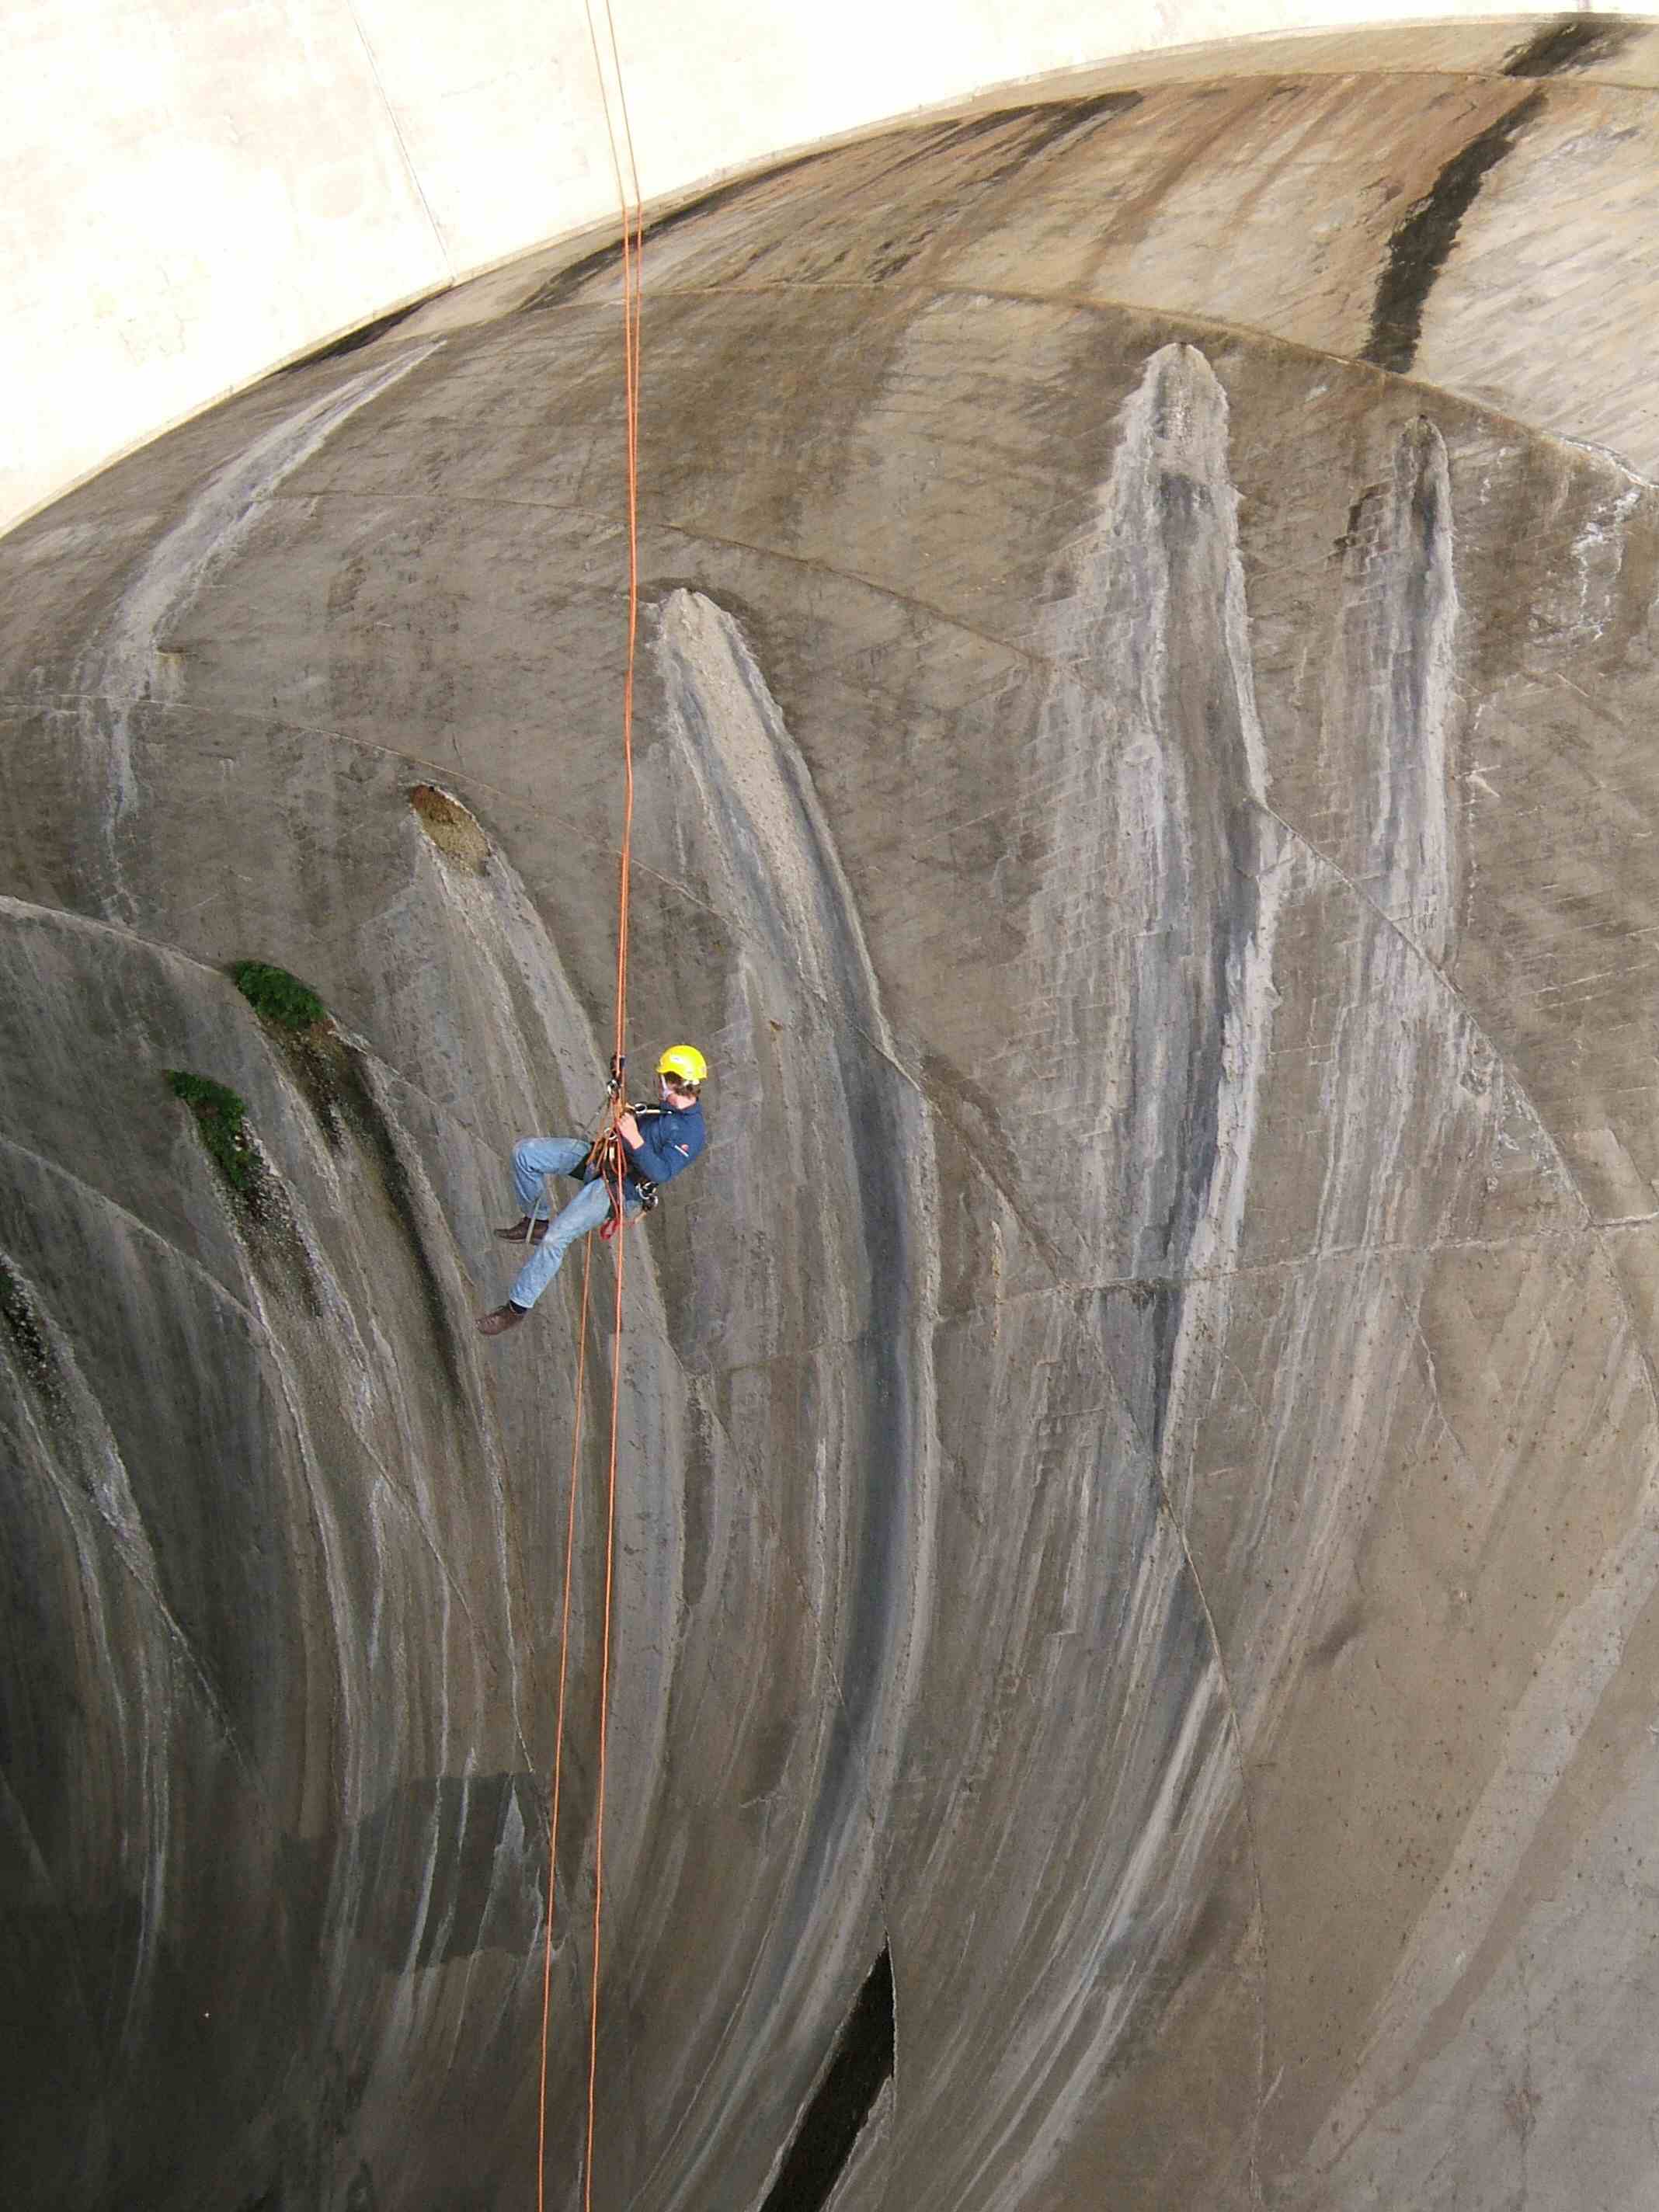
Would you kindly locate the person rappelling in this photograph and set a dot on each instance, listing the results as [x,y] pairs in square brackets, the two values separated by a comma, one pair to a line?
[643,1147]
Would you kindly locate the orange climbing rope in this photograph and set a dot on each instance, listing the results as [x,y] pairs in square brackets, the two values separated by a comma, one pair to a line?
[558,1725]
[609,1151]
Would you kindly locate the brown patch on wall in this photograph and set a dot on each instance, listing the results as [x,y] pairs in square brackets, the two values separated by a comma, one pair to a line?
[452,829]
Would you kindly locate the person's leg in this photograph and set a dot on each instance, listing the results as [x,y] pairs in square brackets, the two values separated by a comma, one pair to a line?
[533,1157]
[586,1211]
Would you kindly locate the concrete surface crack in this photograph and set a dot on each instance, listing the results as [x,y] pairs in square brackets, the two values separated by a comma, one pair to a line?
[173,1628]
[411,171]
[1236,1737]
[1591,1226]
[1200,329]
[1413,1321]
[101,1199]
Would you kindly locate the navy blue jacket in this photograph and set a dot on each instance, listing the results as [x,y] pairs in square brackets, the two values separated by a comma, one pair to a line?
[671,1137]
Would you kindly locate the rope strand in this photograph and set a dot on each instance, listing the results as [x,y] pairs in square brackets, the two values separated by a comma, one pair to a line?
[607,1152]
[605,1699]
[558,1728]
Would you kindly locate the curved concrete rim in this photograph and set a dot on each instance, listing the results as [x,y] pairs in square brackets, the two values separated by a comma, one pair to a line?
[192,221]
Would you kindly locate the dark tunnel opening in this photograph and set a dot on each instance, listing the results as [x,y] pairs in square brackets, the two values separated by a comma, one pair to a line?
[833,2120]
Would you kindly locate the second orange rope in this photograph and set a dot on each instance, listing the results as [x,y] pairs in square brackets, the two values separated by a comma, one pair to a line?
[633,244]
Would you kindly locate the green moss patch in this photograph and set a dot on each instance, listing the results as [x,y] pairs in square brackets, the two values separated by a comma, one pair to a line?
[306,1033]
[278,996]
[278,1250]
[221,1118]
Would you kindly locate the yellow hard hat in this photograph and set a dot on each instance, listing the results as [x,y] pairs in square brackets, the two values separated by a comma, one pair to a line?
[685,1061]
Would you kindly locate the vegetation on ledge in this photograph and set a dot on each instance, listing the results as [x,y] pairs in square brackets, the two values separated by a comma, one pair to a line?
[278,996]
[221,1117]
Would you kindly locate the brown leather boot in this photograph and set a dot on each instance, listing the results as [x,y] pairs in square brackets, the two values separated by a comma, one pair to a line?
[524,1231]
[500,1319]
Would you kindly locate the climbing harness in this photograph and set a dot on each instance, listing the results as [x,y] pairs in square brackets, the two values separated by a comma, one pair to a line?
[643,1193]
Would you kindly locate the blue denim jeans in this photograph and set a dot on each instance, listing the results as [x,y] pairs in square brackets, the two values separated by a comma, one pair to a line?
[533,1157]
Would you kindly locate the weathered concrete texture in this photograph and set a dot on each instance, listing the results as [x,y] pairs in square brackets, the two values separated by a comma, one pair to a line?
[1138,1487]
[197,193]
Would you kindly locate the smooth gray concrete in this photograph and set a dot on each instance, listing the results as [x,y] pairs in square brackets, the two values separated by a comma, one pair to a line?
[1139,1435]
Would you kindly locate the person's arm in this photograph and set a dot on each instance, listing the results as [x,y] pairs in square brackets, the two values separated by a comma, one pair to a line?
[670,1146]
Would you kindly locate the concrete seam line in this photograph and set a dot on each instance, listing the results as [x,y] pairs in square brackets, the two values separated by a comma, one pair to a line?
[403,144]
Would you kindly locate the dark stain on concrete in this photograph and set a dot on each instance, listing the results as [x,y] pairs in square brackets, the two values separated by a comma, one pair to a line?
[446,1867]
[562,290]
[319,1057]
[33,1353]
[306,2152]
[1209,1932]
[1337,1638]
[699,1486]
[361,2196]
[487,1837]
[330,1074]
[260,1203]
[394,1178]
[1052,126]
[1423,240]
[1036,131]
[833,2120]
[1573,42]
[355,341]
[1359,512]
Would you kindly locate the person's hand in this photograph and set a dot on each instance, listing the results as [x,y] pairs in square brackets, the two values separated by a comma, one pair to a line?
[629,1130]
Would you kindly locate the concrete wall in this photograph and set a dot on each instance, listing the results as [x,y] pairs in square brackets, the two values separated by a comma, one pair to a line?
[1139,1492]
[196,192]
